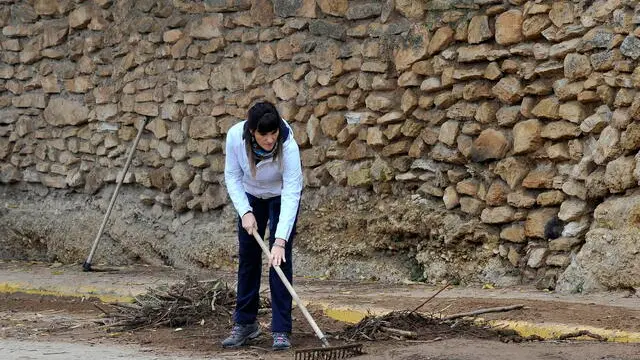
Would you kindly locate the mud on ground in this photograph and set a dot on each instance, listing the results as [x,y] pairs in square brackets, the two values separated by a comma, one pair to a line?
[73,320]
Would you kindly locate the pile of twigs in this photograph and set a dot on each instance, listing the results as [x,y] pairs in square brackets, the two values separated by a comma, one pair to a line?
[181,304]
[409,325]
[414,326]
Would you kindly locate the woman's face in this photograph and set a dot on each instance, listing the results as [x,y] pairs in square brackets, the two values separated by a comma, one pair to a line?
[267,141]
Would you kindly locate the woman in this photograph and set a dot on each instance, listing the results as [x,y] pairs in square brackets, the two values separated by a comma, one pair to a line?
[264,180]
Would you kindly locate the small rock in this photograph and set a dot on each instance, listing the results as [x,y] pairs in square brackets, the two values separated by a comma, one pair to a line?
[498,215]
[536,257]
[572,209]
[479,29]
[630,47]
[490,144]
[509,27]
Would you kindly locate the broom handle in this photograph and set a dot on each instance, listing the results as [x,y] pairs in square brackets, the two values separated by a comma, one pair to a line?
[87,263]
[294,295]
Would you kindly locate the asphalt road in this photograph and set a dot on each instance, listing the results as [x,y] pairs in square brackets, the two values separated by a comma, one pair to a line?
[43,350]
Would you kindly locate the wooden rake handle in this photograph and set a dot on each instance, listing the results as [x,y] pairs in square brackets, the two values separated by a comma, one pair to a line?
[294,295]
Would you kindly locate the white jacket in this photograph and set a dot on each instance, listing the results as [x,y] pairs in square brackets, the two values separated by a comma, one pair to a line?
[271,178]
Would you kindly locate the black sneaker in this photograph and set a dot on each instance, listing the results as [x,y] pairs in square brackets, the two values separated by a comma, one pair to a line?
[240,334]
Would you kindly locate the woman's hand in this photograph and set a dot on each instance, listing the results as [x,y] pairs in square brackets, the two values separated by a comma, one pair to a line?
[277,252]
[249,223]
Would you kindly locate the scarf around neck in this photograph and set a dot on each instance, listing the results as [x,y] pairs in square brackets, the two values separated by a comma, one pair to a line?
[260,153]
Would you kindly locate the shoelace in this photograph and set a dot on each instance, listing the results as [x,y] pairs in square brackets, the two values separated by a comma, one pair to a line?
[236,330]
[280,337]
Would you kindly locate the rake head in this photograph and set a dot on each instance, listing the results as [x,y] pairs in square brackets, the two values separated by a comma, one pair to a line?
[329,353]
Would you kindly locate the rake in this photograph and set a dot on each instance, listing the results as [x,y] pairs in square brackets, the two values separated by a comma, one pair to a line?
[326,352]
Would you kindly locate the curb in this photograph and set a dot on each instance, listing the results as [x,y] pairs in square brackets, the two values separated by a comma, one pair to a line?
[550,331]
[10,288]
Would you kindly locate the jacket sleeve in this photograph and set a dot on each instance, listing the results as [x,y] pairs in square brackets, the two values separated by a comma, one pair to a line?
[291,189]
[233,175]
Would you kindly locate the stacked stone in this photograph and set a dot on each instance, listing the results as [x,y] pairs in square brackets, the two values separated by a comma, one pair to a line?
[512,112]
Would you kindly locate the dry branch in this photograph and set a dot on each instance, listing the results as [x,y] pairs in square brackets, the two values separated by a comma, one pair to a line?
[101,309]
[483,311]
[409,334]
[431,297]
[183,303]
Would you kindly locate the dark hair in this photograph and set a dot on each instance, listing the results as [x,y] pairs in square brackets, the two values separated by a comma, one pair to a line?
[264,118]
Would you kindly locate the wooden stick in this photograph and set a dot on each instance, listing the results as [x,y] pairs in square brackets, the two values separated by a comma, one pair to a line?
[185,298]
[429,299]
[483,311]
[424,341]
[101,309]
[127,305]
[399,332]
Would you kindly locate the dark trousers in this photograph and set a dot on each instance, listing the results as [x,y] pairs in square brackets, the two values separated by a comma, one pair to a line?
[250,269]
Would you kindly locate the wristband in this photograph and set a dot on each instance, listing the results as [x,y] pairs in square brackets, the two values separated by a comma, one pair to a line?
[278,245]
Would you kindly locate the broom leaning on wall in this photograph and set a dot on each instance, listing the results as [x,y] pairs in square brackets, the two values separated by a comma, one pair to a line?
[86,266]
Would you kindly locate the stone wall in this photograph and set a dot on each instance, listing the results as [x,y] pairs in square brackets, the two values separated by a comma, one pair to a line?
[515,117]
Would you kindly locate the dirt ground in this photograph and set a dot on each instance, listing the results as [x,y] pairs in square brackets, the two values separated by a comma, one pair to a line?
[76,321]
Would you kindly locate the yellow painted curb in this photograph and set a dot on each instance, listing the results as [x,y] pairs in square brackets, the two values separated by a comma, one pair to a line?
[555,330]
[546,331]
[10,288]
[345,315]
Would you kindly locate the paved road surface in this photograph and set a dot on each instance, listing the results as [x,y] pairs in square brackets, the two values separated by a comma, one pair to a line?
[32,350]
